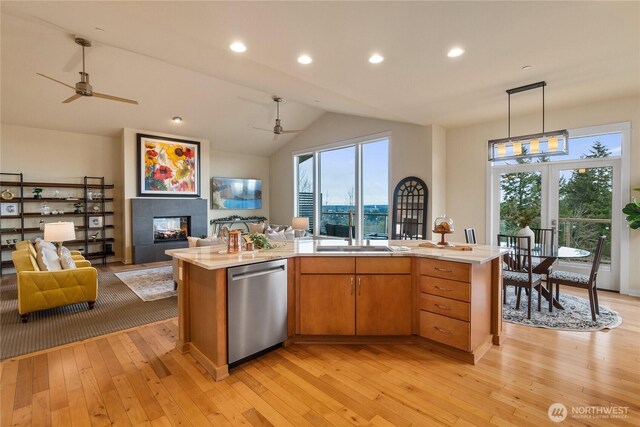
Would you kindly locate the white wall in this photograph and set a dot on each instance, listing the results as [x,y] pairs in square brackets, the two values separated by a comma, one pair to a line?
[50,155]
[410,155]
[467,161]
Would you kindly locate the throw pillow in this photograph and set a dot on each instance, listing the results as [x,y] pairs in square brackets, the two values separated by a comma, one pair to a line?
[275,235]
[193,241]
[206,242]
[43,243]
[289,234]
[47,259]
[66,261]
[256,227]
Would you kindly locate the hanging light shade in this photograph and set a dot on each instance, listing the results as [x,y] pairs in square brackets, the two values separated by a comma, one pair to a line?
[534,145]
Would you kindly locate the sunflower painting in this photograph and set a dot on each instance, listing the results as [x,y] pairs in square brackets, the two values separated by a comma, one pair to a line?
[168,167]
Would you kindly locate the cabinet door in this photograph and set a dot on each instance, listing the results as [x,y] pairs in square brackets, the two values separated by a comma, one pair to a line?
[383,304]
[327,304]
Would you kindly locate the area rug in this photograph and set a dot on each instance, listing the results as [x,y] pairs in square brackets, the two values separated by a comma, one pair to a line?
[117,308]
[150,284]
[576,315]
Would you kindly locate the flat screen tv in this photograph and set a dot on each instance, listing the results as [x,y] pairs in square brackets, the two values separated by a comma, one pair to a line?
[236,193]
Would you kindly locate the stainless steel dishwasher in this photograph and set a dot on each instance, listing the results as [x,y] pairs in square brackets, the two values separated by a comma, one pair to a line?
[256,308]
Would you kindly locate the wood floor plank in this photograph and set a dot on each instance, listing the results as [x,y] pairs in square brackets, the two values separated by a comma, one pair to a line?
[57,387]
[61,418]
[41,408]
[78,410]
[7,391]
[40,373]
[24,384]
[132,406]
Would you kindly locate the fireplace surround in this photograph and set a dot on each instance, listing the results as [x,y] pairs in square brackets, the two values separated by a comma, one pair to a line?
[146,244]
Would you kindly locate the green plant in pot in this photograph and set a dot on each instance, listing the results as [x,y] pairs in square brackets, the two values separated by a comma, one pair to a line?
[260,241]
[524,218]
[632,210]
[36,193]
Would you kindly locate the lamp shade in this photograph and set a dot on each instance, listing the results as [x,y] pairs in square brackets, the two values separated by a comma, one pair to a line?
[59,231]
[300,223]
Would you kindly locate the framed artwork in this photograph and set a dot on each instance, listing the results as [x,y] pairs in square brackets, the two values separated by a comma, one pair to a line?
[7,209]
[96,221]
[168,167]
[236,193]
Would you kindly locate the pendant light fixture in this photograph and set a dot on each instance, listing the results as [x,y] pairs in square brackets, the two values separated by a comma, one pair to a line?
[534,145]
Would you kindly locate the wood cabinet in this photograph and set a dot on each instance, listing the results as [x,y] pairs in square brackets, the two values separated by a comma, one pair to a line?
[455,303]
[367,296]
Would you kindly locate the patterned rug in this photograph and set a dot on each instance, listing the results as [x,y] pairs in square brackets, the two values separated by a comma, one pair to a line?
[150,284]
[117,308]
[576,315]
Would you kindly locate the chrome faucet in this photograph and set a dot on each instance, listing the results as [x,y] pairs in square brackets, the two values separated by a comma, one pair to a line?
[350,240]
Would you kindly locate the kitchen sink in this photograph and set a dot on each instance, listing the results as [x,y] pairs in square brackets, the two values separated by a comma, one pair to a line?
[353,248]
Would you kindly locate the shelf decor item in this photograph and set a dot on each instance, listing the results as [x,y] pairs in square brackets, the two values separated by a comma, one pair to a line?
[96,221]
[168,167]
[9,209]
[7,195]
[36,193]
[443,225]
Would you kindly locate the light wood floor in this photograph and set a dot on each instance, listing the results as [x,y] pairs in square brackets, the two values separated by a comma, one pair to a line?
[136,377]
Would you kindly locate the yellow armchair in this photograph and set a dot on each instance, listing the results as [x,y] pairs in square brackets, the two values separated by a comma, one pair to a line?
[40,290]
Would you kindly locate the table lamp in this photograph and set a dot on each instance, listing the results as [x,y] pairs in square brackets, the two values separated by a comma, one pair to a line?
[300,224]
[59,232]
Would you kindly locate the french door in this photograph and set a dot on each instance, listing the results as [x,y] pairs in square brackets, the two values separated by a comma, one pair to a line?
[579,198]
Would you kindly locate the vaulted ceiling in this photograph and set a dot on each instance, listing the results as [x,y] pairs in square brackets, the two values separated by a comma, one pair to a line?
[173,57]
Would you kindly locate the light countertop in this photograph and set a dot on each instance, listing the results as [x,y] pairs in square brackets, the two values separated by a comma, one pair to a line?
[211,258]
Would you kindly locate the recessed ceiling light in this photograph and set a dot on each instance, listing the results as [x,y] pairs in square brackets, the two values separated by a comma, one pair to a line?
[305,59]
[455,52]
[527,67]
[376,58]
[177,119]
[238,47]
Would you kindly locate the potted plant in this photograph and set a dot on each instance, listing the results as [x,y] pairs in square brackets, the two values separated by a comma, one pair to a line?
[632,210]
[78,207]
[36,193]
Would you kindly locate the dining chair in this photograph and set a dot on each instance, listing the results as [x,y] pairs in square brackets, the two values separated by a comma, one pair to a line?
[544,238]
[583,281]
[470,235]
[517,269]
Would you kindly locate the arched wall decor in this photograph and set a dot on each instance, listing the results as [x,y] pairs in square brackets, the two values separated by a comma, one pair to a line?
[409,219]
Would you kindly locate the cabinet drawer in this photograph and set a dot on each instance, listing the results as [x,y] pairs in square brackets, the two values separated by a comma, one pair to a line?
[445,288]
[378,265]
[445,306]
[327,265]
[446,269]
[445,330]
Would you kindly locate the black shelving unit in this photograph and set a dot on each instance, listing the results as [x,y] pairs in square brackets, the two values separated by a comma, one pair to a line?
[94,249]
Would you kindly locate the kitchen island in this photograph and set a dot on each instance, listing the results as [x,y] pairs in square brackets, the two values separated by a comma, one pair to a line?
[446,299]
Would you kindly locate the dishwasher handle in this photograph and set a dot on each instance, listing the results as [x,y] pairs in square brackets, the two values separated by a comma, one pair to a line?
[247,275]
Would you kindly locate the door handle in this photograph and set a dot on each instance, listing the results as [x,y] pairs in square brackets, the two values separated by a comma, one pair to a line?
[351,286]
[359,285]
[554,222]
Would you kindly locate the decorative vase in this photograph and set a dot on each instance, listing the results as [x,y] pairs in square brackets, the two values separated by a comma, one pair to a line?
[526,231]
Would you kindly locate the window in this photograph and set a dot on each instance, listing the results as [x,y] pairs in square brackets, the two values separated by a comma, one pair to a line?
[332,183]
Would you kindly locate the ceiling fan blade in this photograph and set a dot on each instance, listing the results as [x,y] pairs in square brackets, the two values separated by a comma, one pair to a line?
[293,131]
[71,98]
[267,130]
[114,98]
[57,81]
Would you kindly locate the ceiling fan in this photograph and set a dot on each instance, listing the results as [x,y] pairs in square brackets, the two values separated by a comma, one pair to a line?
[83,88]
[278,129]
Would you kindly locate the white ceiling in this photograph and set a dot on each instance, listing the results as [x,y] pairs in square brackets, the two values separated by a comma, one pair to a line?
[173,57]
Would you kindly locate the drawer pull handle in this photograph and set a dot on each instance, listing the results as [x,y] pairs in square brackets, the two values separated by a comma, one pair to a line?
[443,307]
[443,289]
[444,331]
[445,270]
